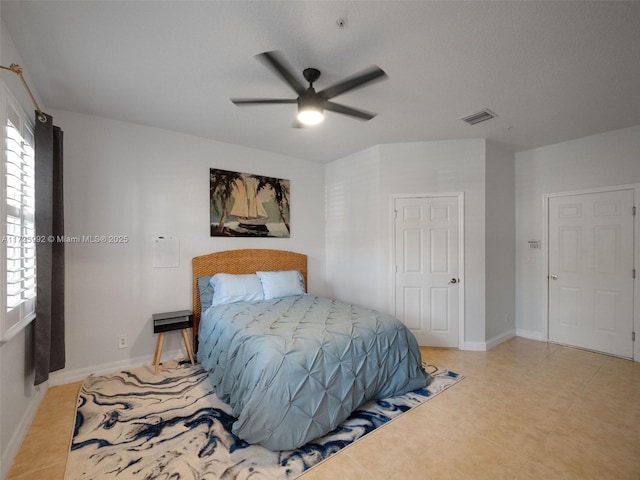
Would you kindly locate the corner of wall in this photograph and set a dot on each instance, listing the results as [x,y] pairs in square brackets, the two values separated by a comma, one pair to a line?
[500,243]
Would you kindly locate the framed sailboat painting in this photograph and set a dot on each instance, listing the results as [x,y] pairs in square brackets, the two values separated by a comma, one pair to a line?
[248,205]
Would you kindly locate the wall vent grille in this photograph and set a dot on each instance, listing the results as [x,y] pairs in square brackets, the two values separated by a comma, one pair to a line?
[478,117]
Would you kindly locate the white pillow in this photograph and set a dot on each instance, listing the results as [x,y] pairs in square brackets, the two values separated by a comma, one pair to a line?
[281,283]
[230,288]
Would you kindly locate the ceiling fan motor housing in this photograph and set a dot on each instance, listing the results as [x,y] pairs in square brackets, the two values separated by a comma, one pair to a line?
[310,101]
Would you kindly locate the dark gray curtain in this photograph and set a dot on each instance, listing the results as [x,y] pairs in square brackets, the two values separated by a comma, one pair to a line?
[49,348]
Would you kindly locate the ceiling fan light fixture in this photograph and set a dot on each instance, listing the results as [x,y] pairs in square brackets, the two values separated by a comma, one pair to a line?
[312,104]
[310,111]
[310,116]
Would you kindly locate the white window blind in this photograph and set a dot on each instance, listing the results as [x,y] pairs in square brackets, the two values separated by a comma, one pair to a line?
[19,240]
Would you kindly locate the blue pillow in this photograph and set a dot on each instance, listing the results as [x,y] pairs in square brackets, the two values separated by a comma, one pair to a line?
[230,288]
[281,283]
[206,291]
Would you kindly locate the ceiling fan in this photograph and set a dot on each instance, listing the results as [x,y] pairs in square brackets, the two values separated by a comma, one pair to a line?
[312,104]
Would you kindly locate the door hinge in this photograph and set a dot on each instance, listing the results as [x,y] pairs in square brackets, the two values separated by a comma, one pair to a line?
[633,336]
[633,273]
[633,211]
[395,214]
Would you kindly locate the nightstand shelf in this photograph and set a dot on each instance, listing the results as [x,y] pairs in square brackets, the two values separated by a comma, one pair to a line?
[168,322]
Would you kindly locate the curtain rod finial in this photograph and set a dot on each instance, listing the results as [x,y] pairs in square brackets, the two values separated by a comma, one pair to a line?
[14,67]
[17,69]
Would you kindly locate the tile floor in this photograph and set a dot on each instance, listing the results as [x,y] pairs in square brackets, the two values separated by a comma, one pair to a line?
[526,410]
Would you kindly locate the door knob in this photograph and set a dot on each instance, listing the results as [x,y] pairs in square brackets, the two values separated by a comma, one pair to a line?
[453,280]
[554,277]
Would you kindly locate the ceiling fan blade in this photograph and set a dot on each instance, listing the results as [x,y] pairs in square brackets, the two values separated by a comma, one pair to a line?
[275,61]
[261,101]
[356,81]
[338,108]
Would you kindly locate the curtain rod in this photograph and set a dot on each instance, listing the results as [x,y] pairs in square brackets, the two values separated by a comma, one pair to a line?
[17,69]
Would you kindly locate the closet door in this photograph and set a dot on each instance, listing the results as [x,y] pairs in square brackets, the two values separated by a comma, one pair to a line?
[591,282]
[427,284]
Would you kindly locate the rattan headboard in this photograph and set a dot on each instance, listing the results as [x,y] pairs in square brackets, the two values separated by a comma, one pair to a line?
[241,261]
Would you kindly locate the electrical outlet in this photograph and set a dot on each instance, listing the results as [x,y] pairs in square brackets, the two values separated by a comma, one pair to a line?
[122,341]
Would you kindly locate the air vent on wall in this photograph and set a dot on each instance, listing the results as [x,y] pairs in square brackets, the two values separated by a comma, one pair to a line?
[481,116]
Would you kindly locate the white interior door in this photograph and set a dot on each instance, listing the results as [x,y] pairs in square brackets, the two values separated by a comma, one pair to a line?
[591,240]
[427,268]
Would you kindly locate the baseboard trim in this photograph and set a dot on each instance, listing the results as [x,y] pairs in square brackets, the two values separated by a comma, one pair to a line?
[475,346]
[490,343]
[530,334]
[65,376]
[498,339]
[14,444]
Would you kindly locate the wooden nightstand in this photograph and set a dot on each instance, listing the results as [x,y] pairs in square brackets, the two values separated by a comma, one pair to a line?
[168,322]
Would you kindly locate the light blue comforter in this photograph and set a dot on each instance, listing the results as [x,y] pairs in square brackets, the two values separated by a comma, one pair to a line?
[294,368]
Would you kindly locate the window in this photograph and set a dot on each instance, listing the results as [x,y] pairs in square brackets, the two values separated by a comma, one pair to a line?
[18,229]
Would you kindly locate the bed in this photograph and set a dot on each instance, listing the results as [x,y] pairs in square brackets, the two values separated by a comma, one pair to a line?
[293,366]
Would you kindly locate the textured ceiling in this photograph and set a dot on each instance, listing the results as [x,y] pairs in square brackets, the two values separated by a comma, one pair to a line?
[551,71]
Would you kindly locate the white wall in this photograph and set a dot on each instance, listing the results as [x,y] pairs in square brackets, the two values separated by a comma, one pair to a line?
[500,244]
[359,190]
[353,229]
[608,159]
[125,179]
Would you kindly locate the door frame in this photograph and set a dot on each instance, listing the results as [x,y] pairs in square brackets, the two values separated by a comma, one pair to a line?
[636,255]
[461,283]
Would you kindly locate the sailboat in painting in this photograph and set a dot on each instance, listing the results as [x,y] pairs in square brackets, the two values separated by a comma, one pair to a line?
[247,205]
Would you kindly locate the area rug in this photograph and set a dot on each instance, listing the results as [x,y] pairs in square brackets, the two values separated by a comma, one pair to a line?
[136,425]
